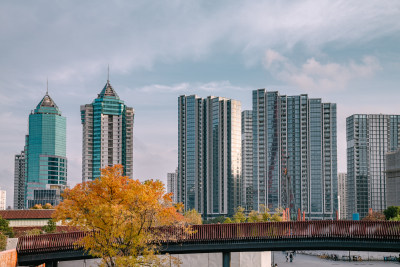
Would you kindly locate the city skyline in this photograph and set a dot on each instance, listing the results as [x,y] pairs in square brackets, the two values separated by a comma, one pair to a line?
[345,53]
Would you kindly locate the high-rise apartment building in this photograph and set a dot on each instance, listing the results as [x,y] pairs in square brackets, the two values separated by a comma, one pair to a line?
[342,193]
[294,154]
[393,178]
[19,181]
[209,154]
[369,138]
[107,134]
[45,155]
[3,204]
[172,185]
[247,160]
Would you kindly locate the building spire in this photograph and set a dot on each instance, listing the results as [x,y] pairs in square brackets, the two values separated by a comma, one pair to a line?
[47,88]
[108,73]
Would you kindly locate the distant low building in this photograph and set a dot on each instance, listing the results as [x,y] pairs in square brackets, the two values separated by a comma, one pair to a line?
[24,220]
[393,178]
[342,192]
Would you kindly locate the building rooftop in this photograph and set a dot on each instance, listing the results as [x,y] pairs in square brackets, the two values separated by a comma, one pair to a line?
[47,105]
[26,214]
[109,91]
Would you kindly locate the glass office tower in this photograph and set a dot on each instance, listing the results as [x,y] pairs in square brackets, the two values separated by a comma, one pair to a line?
[294,154]
[107,139]
[209,154]
[45,155]
[369,138]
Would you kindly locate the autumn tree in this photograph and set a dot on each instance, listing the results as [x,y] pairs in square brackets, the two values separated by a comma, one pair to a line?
[193,217]
[120,214]
[239,216]
[374,216]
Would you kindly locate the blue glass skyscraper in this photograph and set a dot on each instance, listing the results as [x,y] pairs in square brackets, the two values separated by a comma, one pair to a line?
[107,138]
[294,154]
[45,155]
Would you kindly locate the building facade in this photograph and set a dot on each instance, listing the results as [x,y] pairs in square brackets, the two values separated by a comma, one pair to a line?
[172,185]
[19,181]
[45,155]
[369,138]
[3,198]
[107,138]
[247,160]
[342,193]
[209,154]
[393,178]
[294,154]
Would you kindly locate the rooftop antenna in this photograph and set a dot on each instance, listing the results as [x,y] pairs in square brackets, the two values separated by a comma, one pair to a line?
[108,73]
[47,88]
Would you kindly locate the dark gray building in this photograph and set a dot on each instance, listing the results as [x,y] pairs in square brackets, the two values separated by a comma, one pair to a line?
[393,178]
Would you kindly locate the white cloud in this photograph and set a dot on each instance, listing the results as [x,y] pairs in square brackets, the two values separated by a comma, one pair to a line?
[187,88]
[316,76]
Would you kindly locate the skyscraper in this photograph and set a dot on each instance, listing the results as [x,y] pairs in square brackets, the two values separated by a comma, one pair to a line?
[342,192]
[45,155]
[172,185]
[294,154]
[209,154]
[107,134]
[369,138]
[247,160]
[19,181]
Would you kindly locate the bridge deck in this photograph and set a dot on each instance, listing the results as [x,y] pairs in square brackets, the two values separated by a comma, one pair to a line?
[309,235]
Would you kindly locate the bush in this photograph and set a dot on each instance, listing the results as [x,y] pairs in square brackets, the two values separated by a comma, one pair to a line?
[3,241]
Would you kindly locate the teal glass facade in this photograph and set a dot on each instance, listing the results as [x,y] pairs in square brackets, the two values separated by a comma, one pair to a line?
[45,153]
[107,134]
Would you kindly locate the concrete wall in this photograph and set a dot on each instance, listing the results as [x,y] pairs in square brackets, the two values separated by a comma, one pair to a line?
[238,259]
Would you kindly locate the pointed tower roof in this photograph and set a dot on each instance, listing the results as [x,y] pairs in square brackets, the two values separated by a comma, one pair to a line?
[47,105]
[108,91]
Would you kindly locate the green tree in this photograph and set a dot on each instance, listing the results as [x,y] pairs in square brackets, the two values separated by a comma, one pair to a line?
[3,241]
[391,212]
[396,219]
[239,216]
[265,215]
[50,227]
[5,228]
[277,216]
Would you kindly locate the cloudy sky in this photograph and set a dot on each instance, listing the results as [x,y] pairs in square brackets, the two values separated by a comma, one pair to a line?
[346,52]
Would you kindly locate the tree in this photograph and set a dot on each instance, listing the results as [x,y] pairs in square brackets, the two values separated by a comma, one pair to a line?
[374,216]
[3,241]
[239,216]
[265,215]
[46,206]
[228,220]
[5,228]
[120,214]
[34,231]
[50,227]
[254,216]
[193,217]
[391,212]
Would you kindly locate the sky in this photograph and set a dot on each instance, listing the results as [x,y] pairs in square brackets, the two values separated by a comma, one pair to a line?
[344,52]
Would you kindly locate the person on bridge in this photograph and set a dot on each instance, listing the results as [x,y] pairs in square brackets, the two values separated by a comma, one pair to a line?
[291,257]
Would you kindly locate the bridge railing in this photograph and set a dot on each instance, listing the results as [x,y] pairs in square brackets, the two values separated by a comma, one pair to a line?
[378,230]
[287,230]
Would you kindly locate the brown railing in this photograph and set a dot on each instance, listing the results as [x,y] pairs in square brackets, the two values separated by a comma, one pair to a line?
[378,230]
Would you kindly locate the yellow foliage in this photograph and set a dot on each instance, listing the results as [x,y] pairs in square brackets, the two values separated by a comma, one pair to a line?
[193,217]
[120,213]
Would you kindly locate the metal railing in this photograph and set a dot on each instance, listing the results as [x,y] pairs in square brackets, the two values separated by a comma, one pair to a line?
[316,230]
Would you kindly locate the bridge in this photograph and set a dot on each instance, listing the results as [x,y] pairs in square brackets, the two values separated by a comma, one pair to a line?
[235,237]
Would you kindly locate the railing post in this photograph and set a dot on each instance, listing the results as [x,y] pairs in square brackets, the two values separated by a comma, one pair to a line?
[226,259]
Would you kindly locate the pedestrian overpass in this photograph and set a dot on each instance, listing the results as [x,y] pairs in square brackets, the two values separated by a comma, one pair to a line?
[235,237]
